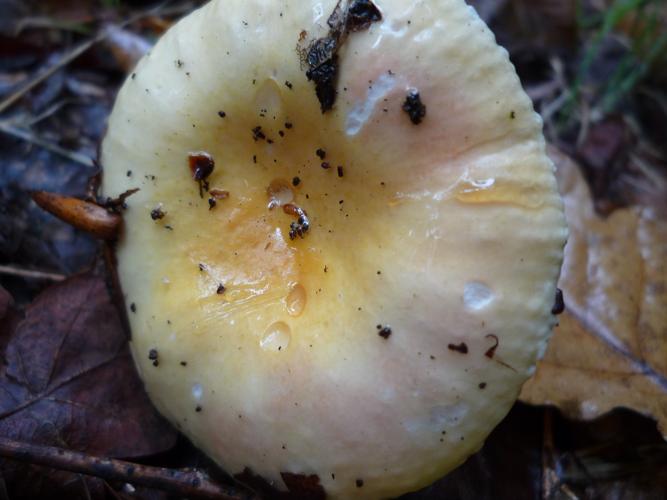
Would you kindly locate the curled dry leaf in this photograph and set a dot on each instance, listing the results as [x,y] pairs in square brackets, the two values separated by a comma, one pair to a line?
[68,380]
[610,349]
[84,215]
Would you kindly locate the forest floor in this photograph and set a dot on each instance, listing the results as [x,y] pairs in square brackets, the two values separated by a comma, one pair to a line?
[590,424]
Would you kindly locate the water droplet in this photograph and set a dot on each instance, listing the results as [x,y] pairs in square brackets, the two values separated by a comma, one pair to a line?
[268,99]
[276,337]
[197,391]
[498,191]
[476,190]
[318,12]
[280,193]
[296,300]
[363,110]
[589,409]
[477,296]
[448,416]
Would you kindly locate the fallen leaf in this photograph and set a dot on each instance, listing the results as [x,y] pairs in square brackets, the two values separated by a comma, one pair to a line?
[610,349]
[69,381]
[621,165]
[9,317]
[604,157]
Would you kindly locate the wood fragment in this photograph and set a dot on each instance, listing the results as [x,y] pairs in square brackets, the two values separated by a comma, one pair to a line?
[31,274]
[182,483]
[43,75]
[84,215]
[34,139]
[549,474]
[70,56]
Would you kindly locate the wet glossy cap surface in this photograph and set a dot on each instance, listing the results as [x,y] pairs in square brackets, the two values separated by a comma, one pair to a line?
[385,341]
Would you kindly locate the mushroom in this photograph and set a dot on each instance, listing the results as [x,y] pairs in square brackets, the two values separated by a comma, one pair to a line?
[376,321]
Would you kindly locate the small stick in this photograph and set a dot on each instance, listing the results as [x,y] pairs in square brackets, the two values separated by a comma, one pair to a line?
[69,57]
[29,273]
[32,138]
[81,214]
[63,61]
[183,483]
[549,475]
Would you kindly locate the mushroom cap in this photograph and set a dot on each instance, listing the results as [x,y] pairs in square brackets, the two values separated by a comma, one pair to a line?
[445,237]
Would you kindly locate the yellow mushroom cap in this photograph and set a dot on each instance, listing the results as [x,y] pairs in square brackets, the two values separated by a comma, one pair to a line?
[378,350]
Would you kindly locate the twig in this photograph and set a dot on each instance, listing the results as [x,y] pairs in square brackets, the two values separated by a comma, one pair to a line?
[70,56]
[34,139]
[28,273]
[86,490]
[4,495]
[63,61]
[543,90]
[43,22]
[553,107]
[549,475]
[585,120]
[568,492]
[54,108]
[183,483]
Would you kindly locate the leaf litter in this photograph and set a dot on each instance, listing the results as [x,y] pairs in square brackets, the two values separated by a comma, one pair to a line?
[610,348]
[68,379]
[605,354]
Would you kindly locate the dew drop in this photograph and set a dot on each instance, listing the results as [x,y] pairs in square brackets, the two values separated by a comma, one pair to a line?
[318,12]
[448,416]
[197,391]
[363,110]
[268,100]
[280,193]
[296,300]
[589,409]
[492,190]
[276,337]
[477,296]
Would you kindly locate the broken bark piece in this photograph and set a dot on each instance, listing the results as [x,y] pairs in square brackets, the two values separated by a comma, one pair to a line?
[321,56]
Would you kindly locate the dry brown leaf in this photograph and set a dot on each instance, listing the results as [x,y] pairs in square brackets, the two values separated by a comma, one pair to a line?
[610,349]
[67,380]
